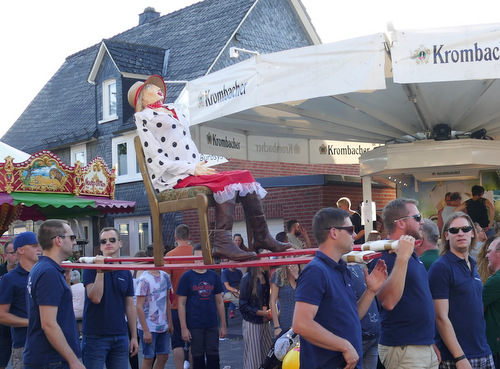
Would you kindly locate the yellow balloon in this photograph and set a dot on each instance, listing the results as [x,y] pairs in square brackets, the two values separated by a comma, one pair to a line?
[292,359]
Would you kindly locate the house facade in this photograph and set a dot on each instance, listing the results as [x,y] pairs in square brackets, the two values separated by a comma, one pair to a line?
[82,112]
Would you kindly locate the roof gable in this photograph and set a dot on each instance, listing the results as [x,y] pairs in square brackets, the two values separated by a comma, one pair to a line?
[131,59]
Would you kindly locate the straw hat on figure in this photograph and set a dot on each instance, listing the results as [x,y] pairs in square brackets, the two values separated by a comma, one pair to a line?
[174,162]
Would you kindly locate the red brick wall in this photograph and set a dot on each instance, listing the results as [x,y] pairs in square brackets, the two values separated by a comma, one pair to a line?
[300,202]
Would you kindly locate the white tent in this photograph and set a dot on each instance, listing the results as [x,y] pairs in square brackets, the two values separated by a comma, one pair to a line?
[7,150]
[285,106]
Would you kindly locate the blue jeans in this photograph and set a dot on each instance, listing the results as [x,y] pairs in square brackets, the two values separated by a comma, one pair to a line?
[110,350]
[370,352]
[60,365]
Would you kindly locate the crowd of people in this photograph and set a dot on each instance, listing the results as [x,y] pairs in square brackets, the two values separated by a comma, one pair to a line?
[420,305]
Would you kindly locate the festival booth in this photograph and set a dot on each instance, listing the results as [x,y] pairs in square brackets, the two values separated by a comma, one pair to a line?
[43,187]
[432,107]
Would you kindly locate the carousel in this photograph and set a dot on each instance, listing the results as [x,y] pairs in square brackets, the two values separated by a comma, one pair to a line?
[41,186]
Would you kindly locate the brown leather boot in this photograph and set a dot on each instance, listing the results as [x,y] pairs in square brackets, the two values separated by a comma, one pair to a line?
[262,239]
[223,245]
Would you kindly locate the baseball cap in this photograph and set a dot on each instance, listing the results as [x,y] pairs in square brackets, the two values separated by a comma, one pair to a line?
[25,238]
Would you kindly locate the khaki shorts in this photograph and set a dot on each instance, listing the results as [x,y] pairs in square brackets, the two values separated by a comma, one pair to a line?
[408,357]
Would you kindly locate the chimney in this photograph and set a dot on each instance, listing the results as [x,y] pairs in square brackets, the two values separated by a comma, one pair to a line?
[149,14]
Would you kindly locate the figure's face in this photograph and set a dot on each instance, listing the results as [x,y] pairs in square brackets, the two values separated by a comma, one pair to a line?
[412,226]
[110,244]
[31,252]
[460,241]
[492,255]
[9,254]
[151,94]
[238,241]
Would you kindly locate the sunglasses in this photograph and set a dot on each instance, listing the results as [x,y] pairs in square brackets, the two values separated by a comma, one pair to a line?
[72,237]
[465,229]
[105,241]
[417,217]
[349,229]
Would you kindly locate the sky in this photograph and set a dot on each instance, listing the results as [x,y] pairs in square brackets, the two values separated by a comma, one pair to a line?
[36,36]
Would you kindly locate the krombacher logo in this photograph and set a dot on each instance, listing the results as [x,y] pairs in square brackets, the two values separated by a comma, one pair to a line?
[212,139]
[442,55]
[209,98]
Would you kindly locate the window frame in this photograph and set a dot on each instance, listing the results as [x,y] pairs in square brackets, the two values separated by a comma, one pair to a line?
[77,149]
[106,100]
[133,171]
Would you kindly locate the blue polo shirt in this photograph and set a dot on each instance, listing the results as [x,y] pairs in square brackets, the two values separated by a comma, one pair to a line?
[451,279]
[327,284]
[13,291]
[47,286]
[412,321]
[107,317]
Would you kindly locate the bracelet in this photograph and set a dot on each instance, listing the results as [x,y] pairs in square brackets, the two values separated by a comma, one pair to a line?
[278,327]
[457,359]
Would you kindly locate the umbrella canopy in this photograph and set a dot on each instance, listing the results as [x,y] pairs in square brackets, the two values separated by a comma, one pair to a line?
[439,80]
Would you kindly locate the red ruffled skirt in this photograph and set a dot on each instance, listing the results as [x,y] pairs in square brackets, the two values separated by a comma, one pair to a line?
[225,185]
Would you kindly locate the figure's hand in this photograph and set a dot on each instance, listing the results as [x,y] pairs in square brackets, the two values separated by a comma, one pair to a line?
[202,170]
[351,357]
[303,230]
[406,245]
[377,277]
[147,337]
[186,335]
[99,259]
[134,347]
[222,332]
[293,269]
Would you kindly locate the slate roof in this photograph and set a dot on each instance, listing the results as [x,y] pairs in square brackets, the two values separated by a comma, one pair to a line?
[64,111]
[136,58]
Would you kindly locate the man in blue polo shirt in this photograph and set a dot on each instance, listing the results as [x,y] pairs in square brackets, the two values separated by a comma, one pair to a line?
[408,320]
[52,337]
[13,311]
[326,316]
[457,291]
[109,299]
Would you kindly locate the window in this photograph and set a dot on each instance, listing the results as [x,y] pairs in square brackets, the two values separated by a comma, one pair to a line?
[123,156]
[109,111]
[135,234]
[79,153]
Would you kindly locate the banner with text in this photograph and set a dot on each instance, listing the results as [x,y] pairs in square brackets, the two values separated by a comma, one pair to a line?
[338,152]
[449,54]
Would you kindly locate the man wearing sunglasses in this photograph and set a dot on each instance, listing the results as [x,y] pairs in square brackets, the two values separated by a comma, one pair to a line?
[109,299]
[407,335]
[52,336]
[327,315]
[457,291]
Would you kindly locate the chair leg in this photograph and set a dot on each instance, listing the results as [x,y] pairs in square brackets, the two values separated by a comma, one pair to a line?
[206,248]
[157,239]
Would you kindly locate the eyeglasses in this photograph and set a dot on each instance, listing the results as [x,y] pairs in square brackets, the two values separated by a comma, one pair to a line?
[105,241]
[417,217]
[349,229]
[72,237]
[10,252]
[465,229]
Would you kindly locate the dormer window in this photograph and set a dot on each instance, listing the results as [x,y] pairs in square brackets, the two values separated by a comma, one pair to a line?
[109,111]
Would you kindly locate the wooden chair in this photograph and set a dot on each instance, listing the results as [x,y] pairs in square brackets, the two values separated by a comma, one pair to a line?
[170,201]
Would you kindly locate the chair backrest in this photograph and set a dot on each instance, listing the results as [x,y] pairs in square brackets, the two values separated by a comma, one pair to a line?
[139,152]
